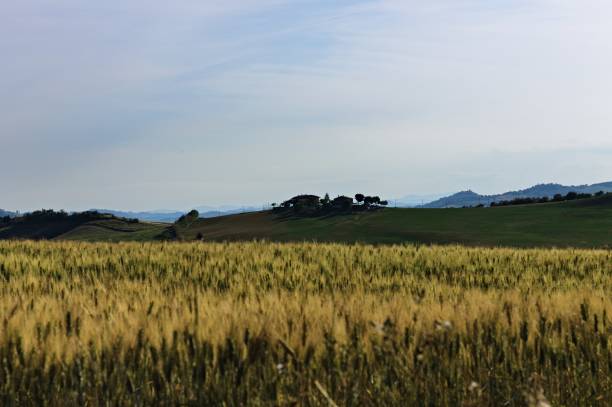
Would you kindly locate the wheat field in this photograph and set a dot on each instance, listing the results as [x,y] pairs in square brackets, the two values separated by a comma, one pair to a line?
[310,324]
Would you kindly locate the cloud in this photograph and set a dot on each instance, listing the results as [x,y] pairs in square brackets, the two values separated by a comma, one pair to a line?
[231,95]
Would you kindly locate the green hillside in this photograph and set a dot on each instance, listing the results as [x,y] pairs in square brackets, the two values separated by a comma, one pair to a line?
[579,223]
[85,226]
[582,223]
[114,231]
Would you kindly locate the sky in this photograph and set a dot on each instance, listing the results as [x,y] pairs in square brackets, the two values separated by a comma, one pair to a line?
[141,105]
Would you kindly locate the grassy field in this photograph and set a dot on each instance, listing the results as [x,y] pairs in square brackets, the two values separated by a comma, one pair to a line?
[115,230]
[110,230]
[303,324]
[585,223]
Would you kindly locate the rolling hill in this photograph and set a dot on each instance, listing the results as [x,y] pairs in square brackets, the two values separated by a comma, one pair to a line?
[579,223]
[86,226]
[582,223]
[471,198]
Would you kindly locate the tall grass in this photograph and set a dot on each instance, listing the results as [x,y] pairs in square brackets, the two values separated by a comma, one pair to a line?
[303,324]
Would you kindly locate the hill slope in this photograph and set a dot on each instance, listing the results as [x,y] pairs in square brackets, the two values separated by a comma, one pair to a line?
[584,223]
[114,231]
[85,226]
[579,223]
[470,198]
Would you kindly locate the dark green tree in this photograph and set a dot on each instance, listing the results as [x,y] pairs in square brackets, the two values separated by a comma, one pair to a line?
[326,200]
[192,216]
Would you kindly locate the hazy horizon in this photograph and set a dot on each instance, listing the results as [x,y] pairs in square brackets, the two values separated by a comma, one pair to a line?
[147,105]
[413,198]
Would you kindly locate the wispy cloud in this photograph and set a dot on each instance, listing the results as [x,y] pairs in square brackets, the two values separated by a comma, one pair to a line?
[197,101]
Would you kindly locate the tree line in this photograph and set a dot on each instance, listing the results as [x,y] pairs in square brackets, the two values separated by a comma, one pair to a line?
[50,215]
[570,196]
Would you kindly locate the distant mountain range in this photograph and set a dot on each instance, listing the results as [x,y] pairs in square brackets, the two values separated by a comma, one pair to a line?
[4,213]
[460,199]
[410,201]
[471,198]
[171,216]
[153,216]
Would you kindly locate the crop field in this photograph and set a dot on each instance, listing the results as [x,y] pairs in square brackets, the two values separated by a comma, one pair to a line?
[311,324]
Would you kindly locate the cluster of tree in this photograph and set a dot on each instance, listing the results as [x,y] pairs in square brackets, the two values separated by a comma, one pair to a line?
[313,205]
[50,215]
[177,230]
[370,201]
[188,218]
[570,196]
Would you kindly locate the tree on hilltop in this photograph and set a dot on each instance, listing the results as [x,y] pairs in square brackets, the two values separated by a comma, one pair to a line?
[326,200]
[191,216]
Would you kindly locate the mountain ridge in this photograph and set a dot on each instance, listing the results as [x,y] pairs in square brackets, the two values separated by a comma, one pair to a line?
[471,198]
[4,213]
[172,216]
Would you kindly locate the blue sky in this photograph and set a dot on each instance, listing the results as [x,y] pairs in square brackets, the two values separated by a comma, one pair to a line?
[156,104]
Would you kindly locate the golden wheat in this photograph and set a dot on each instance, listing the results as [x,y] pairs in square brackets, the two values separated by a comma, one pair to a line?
[264,323]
